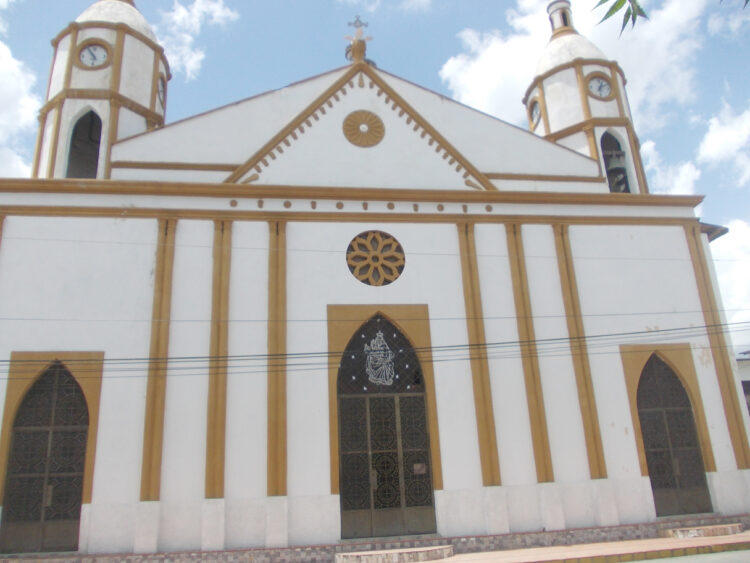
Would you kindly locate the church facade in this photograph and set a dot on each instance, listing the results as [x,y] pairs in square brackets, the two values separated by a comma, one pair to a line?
[350,308]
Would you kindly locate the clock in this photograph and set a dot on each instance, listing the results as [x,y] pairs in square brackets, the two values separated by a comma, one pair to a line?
[93,55]
[600,87]
[161,90]
[536,113]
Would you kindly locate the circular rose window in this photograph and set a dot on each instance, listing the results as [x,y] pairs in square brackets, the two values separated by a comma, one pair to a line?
[363,128]
[375,258]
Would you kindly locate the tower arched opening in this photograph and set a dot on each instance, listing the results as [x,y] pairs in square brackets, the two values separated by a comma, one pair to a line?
[83,158]
[615,164]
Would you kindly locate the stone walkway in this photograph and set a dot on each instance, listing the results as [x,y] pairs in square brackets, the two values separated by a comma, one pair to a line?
[611,552]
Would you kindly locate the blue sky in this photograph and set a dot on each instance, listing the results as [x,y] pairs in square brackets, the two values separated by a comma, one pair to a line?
[688,76]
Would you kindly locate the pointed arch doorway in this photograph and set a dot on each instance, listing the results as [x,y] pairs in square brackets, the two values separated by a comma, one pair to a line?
[670,439]
[44,483]
[385,465]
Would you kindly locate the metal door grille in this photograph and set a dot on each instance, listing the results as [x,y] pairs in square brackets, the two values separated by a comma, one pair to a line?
[44,484]
[673,454]
[385,471]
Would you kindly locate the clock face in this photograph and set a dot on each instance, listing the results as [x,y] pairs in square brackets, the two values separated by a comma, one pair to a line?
[93,55]
[536,113]
[600,87]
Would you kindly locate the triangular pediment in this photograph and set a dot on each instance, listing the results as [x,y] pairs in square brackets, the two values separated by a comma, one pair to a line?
[360,133]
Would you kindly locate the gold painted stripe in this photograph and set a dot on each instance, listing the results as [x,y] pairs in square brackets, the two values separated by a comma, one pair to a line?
[414,322]
[38,146]
[636,149]
[588,124]
[156,390]
[719,350]
[217,366]
[182,189]
[617,91]
[534,397]
[25,367]
[577,62]
[117,61]
[583,92]
[55,141]
[544,177]
[580,355]
[173,166]
[114,123]
[154,83]
[277,457]
[543,106]
[449,218]
[71,57]
[480,371]
[90,94]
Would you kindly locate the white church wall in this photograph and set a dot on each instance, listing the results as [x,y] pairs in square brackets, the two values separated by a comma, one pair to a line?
[46,146]
[512,425]
[57,74]
[560,391]
[184,451]
[247,402]
[651,266]
[517,185]
[318,276]
[88,283]
[578,142]
[563,99]
[150,175]
[130,123]
[137,76]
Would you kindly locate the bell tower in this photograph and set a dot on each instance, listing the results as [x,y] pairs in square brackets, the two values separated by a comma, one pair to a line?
[108,81]
[578,100]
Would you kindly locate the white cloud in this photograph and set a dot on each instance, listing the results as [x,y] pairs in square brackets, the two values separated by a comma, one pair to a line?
[495,68]
[728,140]
[732,261]
[367,5]
[180,27]
[724,23]
[668,178]
[18,109]
[405,5]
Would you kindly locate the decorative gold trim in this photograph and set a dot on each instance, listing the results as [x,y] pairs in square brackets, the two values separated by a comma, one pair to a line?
[414,322]
[114,124]
[480,369]
[572,64]
[154,84]
[54,142]
[87,43]
[222,190]
[277,458]
[70,60]
[530,359]
[75,27]
[38,147]
[545,110]
[719,349]
[588,124]
[198,167]
[156,389]
[679,358]
[91,94]
[637,161]
[375,258]
[544,177]
[580,354]
[306,118]
[617,91]
[216,423]
[363,128]
[608,77]
[24,369]
[582,91]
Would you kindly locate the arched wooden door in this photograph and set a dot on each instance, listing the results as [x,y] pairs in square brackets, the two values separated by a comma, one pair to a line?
[673,453]
[44,483]
[384,445]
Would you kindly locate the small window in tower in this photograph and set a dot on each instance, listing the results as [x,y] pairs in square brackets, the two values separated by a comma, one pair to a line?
[83,160]
[614,164]
[565,20]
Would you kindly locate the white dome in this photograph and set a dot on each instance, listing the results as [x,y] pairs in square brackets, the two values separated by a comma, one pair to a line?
[117,11]
[564,48]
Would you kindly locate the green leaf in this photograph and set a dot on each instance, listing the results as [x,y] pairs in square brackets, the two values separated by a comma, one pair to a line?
[616,7]
[625,20]
[638,11]
[600,3]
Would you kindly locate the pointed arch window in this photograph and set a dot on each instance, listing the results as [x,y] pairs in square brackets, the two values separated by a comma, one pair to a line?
[83,158]
[614,164]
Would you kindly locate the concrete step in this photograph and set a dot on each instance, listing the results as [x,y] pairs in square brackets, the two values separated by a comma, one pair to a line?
[397,555]
[704,531]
